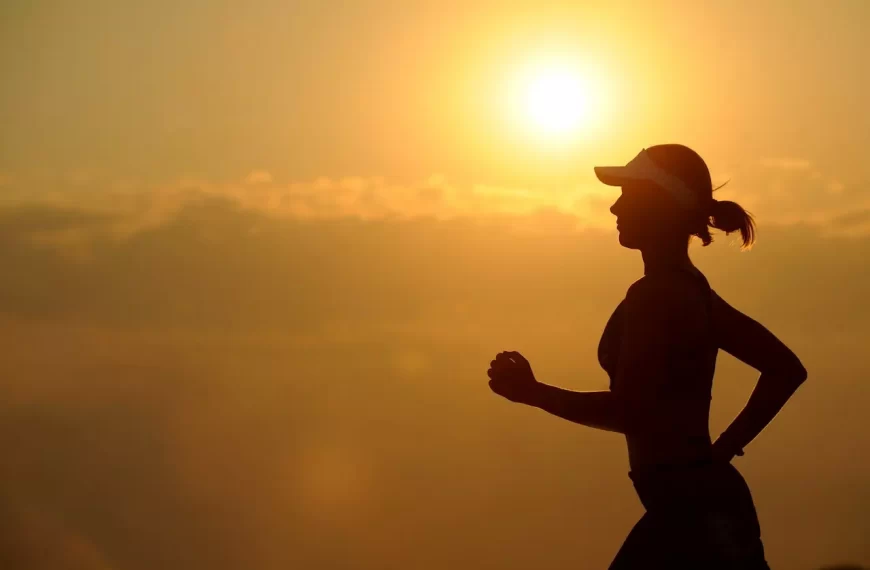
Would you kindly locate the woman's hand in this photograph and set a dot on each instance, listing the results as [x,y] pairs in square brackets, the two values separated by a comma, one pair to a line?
[724,451]
[511,377]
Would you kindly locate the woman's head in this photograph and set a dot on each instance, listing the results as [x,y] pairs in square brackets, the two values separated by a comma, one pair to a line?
[667,196]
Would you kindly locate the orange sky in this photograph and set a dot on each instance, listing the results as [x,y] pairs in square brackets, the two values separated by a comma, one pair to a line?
[309,89]
[258,256]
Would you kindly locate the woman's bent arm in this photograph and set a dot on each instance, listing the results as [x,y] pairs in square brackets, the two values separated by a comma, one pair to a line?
[771,393]
[781,373]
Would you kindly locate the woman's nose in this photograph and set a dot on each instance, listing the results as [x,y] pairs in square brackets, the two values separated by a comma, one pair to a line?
[614,208]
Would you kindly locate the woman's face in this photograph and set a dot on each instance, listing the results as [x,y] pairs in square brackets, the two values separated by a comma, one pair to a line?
[647,215]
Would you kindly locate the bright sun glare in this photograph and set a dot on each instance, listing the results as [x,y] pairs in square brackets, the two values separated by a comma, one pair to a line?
[557,100]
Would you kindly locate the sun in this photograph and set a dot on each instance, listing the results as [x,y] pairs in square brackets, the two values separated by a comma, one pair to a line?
[557,101]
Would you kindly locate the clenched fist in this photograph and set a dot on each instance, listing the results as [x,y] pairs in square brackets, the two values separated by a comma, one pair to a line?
[511,377]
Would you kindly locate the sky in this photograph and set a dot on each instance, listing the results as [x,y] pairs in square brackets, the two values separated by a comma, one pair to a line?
[259,255]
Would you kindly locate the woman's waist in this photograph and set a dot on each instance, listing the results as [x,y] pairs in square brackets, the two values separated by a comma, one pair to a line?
[655,421]
[650,451]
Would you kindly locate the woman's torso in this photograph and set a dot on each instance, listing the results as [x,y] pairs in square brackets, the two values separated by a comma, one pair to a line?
[668,413]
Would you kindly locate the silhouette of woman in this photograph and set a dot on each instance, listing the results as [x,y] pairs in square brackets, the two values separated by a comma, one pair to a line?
[659,349]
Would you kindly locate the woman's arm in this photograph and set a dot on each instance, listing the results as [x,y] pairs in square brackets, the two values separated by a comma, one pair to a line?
[781,374]
[658,313]
[511,377]
[598,410]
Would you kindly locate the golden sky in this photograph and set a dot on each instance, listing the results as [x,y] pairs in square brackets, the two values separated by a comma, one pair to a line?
[258,256]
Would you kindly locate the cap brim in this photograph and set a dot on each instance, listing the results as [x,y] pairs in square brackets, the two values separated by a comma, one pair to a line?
[642,167]
[612,175]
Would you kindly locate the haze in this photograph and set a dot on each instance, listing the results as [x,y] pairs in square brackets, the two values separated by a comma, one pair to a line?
[258,255]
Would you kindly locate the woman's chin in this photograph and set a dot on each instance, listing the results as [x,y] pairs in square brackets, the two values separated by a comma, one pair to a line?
[625,240]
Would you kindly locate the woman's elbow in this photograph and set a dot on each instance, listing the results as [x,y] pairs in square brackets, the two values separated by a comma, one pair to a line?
[799,374]
[793,373]
[795,370]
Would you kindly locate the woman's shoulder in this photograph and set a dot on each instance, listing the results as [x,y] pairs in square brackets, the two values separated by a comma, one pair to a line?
[667,283]
[667,291]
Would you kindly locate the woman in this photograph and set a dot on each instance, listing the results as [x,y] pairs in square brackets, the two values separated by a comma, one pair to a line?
[659,349]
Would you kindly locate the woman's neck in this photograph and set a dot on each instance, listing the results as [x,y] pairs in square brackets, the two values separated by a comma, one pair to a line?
[659,258]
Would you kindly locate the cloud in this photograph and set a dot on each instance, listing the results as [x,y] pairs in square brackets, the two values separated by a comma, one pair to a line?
[795,191]
[128,207]
[138,206]
[786,163]
[852,218]
[258,177]
[283,260]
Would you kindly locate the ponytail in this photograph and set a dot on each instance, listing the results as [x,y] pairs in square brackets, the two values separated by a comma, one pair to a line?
[731,217]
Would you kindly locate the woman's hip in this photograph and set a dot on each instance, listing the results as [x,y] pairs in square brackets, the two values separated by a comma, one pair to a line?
[705,486]
[698,516]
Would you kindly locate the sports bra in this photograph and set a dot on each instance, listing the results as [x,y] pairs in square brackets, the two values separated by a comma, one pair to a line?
[611,339]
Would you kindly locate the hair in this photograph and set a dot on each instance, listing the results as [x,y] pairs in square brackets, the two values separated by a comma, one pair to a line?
[729,217]
[725,215]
